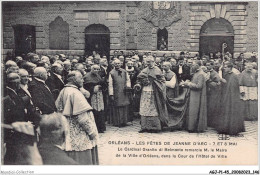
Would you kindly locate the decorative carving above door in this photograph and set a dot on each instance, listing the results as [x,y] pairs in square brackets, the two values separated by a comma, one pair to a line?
[161,13]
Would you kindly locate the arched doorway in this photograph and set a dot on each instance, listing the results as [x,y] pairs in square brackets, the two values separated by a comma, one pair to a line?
[97,37]
[25,40]
[213,34]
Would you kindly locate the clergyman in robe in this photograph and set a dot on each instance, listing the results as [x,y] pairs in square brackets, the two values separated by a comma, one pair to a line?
[171,83]
[153,109]
[81,140]
[118,87]
[213,95]
[196,120]
[95,85]
[248,90]
[231,119]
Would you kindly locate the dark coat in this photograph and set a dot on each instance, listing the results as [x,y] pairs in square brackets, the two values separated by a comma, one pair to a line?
[119,85]
[42,97]
[14,107]
[32,114]
[185,73]
[17,146]
[55,85]
[133,75]
[197,116]
[52,155]
[91,80]
[231,119]
[65,76]
[14,111]
[104,74]
[175,69]
[213,98]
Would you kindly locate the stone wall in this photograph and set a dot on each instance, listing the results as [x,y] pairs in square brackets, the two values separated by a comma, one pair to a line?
[235,13]
[78,15]
[128,30]
[177,32]
[252,27]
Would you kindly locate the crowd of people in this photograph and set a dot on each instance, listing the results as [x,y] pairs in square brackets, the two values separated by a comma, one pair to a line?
[64,103]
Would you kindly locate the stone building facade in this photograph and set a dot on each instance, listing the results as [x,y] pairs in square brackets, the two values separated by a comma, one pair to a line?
[69,27]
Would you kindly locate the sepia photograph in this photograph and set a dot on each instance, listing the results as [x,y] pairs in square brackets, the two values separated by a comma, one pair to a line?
[129,83]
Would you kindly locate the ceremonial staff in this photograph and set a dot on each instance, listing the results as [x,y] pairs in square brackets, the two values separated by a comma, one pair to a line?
[224,45]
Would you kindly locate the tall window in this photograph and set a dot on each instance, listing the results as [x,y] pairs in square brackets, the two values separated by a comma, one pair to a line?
[59,34]
[162,39]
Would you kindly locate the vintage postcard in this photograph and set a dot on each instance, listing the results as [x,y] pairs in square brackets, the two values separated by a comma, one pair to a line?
[129,83]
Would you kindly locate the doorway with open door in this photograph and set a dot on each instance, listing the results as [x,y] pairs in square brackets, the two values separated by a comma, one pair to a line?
[213,34]
[97,38]
[25,40]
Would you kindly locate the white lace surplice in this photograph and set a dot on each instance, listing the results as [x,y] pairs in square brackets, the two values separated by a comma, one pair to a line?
[147,102]
[81,123]
[77,138]
[97,102]
[250,93]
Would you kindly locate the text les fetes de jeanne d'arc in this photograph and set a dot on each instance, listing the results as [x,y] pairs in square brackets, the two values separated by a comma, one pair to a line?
[182,150]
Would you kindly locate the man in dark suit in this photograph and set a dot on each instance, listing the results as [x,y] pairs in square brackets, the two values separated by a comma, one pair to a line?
[14,108]
[8,65]
[183,73]
[42,96]
[14,111]
[32,113]
[174,66]
[54,81]
[52,137]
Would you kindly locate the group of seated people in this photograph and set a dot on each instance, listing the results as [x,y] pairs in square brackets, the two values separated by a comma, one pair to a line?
[90,91]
